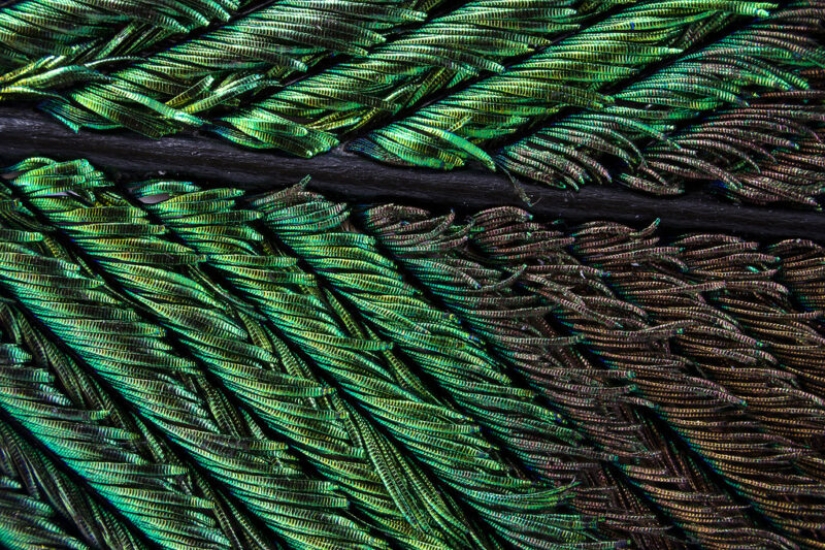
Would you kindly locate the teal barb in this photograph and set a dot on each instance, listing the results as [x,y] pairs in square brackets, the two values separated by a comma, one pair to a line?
[655,96]
[185,366]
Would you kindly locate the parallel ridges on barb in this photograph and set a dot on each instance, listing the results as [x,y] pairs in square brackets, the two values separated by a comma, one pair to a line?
[31,29]
[49,45]
[42,507]
[617,335]
[761,308]
[474,38]
[803,273]
[739,447]
[169,90]
[103,452]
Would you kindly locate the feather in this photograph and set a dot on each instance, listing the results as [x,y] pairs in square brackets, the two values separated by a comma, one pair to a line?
[192,365]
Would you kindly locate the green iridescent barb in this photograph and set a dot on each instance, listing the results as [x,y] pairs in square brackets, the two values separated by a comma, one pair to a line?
[191,366]
[42,507]
[31,29]
[337,437]
[656,96]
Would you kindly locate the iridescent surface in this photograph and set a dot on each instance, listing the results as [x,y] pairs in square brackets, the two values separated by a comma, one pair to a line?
[186,366]
[655,96]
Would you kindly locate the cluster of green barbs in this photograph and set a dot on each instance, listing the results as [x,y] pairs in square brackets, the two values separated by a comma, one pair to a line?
[245,342]
[270,47]
[485,72]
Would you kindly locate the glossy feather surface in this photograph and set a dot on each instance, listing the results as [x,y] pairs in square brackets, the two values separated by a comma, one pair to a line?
[189,365]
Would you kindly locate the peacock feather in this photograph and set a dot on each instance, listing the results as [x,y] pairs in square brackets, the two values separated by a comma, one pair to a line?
[316,364]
